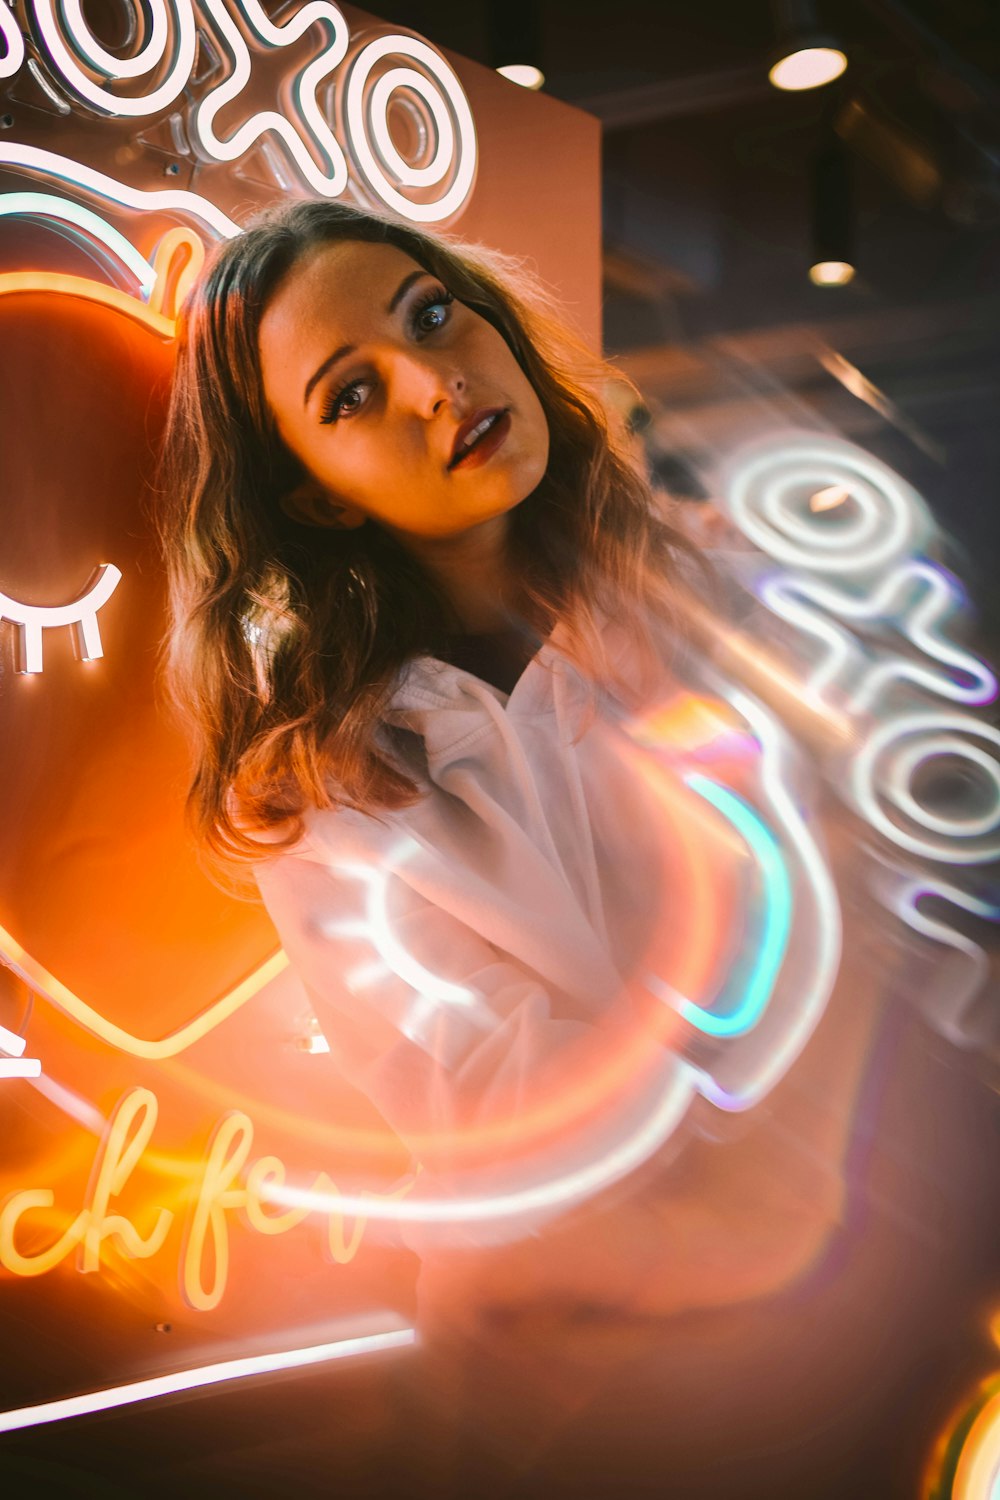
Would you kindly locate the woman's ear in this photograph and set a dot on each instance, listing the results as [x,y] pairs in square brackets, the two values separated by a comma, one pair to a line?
[309,503]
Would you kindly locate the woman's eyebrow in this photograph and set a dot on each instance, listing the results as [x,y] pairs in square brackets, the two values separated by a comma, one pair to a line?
[328,364]
[402,289]
[346,349]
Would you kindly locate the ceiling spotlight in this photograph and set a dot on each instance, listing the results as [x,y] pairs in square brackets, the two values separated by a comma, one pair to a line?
[829,499]
[831,262]
[515,42]
[831,273]
[806,56]
[526,74]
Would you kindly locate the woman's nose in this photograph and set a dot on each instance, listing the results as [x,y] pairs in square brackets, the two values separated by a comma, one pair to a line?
[427,383]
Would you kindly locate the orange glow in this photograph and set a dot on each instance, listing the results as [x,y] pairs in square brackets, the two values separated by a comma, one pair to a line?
[978,1470]
[57,994]
[12,282]
[179,258]
[227,1182]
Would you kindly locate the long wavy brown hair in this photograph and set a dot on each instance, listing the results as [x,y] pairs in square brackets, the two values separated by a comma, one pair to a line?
[286,640]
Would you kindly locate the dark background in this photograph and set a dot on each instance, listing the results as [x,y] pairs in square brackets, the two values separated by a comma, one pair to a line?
[706,209]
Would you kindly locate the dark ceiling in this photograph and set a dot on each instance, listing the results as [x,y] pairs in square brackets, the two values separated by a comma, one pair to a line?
[707,180]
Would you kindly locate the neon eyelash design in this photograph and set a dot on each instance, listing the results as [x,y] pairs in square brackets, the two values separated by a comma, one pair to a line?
[435,297]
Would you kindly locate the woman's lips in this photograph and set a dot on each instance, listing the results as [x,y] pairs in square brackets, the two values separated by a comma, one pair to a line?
[485,447]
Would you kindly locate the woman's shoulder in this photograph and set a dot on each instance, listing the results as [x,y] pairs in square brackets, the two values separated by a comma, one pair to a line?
[336,833]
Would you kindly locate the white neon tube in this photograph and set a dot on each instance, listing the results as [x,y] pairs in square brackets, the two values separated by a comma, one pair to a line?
[906,903]
[919,619]
[759,486]
[887,762]
[50,165]
[190,1380]
[10,1042]
[54,17]
[48,206]
[12,59]
[81,614]
[365,116]
[19,1067]
[328,183]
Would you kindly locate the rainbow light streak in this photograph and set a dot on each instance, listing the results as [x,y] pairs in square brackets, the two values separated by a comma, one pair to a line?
[50,165]
[919,621]
[571,1187]
[763,491]
[328,183]
[13,57]
[936,734]
[828,927]
[48,206]
[773,942]
[54,18]
[203,1375]
[81,614]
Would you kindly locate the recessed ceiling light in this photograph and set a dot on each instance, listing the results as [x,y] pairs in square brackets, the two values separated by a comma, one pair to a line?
[808,68]
[526,74]
[831,273]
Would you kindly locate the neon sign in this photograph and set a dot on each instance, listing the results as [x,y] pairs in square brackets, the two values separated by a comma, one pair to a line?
[822,506]
[768,952]
[345,1347]
[424,88]
[227,1182]
[53,167]
[80,615]
[431,990]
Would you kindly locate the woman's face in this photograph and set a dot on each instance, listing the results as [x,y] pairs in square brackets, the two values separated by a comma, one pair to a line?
[402,405]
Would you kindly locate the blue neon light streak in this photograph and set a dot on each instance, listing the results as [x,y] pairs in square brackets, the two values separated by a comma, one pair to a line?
[773,941]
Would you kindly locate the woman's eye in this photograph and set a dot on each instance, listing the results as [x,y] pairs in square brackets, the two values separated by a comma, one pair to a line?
[432,312]
[343,403]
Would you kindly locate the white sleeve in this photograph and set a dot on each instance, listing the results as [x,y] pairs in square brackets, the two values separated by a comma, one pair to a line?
[437,1027]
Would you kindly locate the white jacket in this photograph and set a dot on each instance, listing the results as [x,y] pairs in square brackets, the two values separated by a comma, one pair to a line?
[456,949]
[469,955]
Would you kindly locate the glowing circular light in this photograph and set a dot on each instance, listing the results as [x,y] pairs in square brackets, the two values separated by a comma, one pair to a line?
[808,68]
[767,492]
[831,273]
[884,770]
[14,42]
[437,168]
[366,123]
[525,74]
[61,22]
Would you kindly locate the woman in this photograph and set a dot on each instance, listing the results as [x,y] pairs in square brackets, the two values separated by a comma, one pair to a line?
[416,588]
